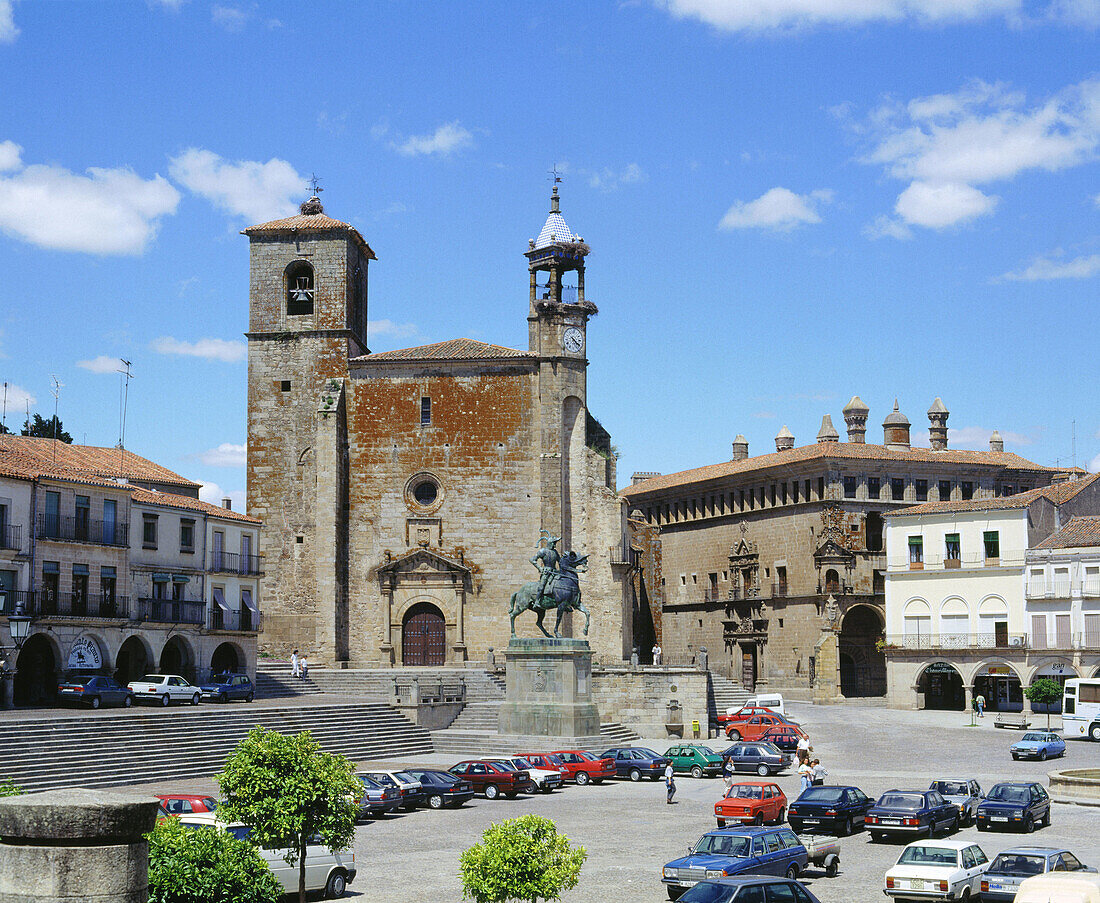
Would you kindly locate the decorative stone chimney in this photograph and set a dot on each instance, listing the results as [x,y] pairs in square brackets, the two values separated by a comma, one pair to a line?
[996,443]
[895,429]
[937,425]
[740,448]
[227,503]
[640,476]
[784,439]
[828,432]
[855,416]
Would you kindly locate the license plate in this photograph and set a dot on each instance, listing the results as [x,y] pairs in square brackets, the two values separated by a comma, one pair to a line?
[685,883]
[998,818]
[811,821]
[891,821]
[916,884]
[998,887]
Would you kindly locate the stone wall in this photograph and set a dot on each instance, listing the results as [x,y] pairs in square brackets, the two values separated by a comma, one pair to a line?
[639,699]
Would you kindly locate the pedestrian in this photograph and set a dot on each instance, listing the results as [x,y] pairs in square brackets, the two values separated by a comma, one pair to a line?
[670,783]
[304,666]
[657,653]
[806,773]
[804,749]
[979,704]
[819,773]
[294,667]
[728,774]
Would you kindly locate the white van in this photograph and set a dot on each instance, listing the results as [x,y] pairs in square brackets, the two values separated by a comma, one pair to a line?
[773,701]
[1060,887]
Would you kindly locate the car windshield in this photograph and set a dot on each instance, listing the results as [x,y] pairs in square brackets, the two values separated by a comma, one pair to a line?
[746,792]
[1006,793]
[709,892]
[405,776]
[1034,737]
[951,788]
[506,766]
[153,678]
[821,795]
[921,855]
[521,762]
[384,779]
[770,749]
[587,757]
[553,760]
[901,801]
[724,845]
[705,750]
[369,782]
[241,832]
[643,753]
[1018,865]
[210,803]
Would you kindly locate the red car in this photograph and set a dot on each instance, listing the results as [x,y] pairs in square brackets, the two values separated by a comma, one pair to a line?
[186,803]
[751,728]
[785,736]
[548,761]
[752,803]
[744,713]
[583,767]
[493,778]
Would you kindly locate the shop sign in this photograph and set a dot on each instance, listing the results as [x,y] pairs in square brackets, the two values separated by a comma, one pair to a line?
[1057,669]
[940,668]
[999,669]
[85,655]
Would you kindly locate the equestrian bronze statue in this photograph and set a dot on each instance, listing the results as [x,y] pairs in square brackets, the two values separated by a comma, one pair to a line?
[557,587]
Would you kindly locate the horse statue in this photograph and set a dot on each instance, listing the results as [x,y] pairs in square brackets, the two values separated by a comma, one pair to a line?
[562,592]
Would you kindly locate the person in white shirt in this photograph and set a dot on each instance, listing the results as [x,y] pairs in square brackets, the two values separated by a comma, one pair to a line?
[294,668]
[303,665]
[670,783]
[656,653]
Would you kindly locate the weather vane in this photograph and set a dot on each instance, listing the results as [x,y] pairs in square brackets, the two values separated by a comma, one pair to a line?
[554,172]
[316,185]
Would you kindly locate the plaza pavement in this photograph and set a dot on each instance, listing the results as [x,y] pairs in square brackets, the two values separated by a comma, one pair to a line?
[630,832]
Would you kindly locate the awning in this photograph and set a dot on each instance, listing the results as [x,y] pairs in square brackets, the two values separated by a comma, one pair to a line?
[180,578]
[219,598]
[246,598]
[51,567]
[162,578]
[80,570]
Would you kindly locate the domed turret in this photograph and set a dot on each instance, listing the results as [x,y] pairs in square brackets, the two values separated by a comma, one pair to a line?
[895,429]
[855,416]
[828,432]
[784,439]
[937,425]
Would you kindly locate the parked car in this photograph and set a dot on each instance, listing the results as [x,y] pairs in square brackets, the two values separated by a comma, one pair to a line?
[937,870]
[695,759]
[911,813]
[164,689]
[1065,887]
[326,871]
[784,736]
[377,799]
[750,888]
[94,691]
[549,762]
[224,687]
[636,762]
[584,767]
[752,728]
[493,778]
[1011,867]
[186,803]
[964,793]
[408,787]
[752,802]
[736,851]
[733,713]
[441,788]
[829,808]
[763,758]
[546,780]
[1014,804]
[1039,745]
[773,701]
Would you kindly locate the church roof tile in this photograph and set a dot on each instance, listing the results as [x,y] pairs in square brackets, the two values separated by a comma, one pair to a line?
[1079,532]
[450,350]
[1057,493]
[27,457]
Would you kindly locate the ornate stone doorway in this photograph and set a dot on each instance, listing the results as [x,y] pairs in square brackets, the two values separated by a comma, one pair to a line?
[424,636]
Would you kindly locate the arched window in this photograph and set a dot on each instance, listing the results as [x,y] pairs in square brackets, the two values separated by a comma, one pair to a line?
[832,581]
[299,289]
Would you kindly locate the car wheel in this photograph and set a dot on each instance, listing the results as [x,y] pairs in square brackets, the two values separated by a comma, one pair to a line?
[953,828]
[674,893]
[223,698]
[337,884]
[762,770]
[1042,755]
[435,801]
[833,868]
[759,820]
[849,827]
[511,794]
[1029,824]
[792,872]
[164,700]
[128,701]
[250,696]
[876,837]
[1094,732]
[1045,821]
[782,816]
[582,778]
[635,775]
[94,702]
[492,792]
[965,894]
[733,735]
[721,822]
[195,699]
[696,771]
[981,827]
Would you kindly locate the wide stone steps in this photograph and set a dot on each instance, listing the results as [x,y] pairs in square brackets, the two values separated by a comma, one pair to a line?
[103,750]
[478,716]
[273,680]
[468,743]
[724,694]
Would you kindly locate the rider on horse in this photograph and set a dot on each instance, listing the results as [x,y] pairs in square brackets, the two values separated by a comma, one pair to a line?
[549,558]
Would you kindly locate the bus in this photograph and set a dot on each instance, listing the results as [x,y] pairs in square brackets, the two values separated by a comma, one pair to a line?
[1081,708]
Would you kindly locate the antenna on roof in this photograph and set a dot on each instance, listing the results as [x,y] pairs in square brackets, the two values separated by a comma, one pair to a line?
[4,416]
[1074,440]
[315,185]
[124,398]
[57,386]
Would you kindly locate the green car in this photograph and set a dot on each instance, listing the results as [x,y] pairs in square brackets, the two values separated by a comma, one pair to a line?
[698,760]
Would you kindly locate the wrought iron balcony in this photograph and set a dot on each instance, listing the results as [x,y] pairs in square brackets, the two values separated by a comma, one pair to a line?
[83,605]
[243,619]
[13,596]
[948,641]
[11,536]
[82,529]
[172,611]
[232,563]
[622,555]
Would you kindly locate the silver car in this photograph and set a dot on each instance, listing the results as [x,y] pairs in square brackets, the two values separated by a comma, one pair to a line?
[964,794]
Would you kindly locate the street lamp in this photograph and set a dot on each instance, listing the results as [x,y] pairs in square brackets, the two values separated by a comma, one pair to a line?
[19,622]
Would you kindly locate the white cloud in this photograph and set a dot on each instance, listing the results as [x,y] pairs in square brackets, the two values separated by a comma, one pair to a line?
[231,18]
[388,327]
[19,401]
[887,227]
[764,415]
[779,209]
[225,455]
[1077,12]
[608,179]
[936,206]
[445,140]
[213,493]
[101,364]
[8,30]
[254,190]
[1043,269]
[172,5]
[230,352]
[978,437]
[766,15]
[107,211]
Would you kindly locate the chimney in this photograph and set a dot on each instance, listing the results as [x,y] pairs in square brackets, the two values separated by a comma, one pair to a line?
[740,448]
[227,503]
[855,415]
[784,439]
[996,443]
[828,432]
[937,425]
[895,429]
[640,476]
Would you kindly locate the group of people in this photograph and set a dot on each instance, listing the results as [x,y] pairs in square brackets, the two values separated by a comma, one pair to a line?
[811,771]
[299,667]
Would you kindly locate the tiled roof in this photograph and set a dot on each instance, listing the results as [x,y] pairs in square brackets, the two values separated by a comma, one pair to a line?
[1058,493]
[26,457]
[451,350]
[1080,531]
[838,451]
[187,503]
[305,222]
[554,230]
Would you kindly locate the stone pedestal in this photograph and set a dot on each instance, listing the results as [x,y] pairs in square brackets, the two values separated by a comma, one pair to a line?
[827,677]
[549,689]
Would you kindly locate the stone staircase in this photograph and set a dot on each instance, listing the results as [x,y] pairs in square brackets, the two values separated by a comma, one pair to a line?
[273,681]
[104,749]
[724,694]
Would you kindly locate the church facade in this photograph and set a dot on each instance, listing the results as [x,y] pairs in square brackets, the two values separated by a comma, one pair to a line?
[403,493]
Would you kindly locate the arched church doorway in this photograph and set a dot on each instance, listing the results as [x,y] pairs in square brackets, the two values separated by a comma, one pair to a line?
[225,660]
[1000,685]
[176,658]
[423,636]
[866,669]
[942,687]
[132,661]
[36,672]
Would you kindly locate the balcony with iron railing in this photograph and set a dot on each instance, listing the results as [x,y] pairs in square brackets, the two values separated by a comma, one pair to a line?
[82,529]
[1048,589]
[83,605]
[933,562]
[940,642]
[233,563]
[13,597]
[1090,586]
[243,619]
[11,537]
[172,611]
[622,554]
[779,590]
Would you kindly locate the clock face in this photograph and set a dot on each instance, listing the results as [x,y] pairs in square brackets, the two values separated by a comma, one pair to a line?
[572,340]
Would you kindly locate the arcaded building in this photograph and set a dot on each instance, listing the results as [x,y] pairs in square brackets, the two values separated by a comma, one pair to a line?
[404,492]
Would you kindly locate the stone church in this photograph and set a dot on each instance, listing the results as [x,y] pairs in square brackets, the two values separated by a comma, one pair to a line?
[403,493]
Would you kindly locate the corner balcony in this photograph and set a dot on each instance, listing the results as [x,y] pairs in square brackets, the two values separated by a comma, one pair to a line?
[11,537]
[172,611]
[82,529]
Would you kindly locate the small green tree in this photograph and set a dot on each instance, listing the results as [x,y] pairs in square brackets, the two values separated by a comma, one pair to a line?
[41,428]
[7,788]
[199,865]
[287,791]
[1044,691]
[520,859]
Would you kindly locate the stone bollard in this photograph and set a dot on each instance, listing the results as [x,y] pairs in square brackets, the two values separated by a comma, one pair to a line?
[702,659]
[75,846]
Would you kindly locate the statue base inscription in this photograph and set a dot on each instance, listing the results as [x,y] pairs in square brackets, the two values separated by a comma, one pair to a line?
[548,689]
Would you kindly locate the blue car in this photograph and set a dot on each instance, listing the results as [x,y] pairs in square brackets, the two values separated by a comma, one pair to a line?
[1014,804]
[224,687]
[829,808]
[636,762]
[911,813]
[736,851]
[1039,745]
[749,889]
[1002,879]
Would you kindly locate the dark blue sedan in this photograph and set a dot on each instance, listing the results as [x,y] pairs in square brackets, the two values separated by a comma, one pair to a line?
[224,687]
[441,788]
[750,889]
[829,809]
[736,851]
[95,691]
[911,813]
[1014,804]
[636,762]
[1010,867]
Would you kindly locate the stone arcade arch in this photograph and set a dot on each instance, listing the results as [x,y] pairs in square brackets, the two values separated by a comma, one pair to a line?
[423,635]
[38,667]
[227,658]
[942,687]
[177,657]
[1000,684]
[862,663]
[133,661]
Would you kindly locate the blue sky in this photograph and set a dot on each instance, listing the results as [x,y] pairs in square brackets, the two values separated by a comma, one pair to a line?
[788,202]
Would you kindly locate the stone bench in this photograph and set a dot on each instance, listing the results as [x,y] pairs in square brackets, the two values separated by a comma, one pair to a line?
[1016,720]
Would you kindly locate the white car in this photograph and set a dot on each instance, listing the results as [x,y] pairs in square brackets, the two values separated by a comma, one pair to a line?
[164,689]
[545,780]
[938,870]
[411,790]
[326,871]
